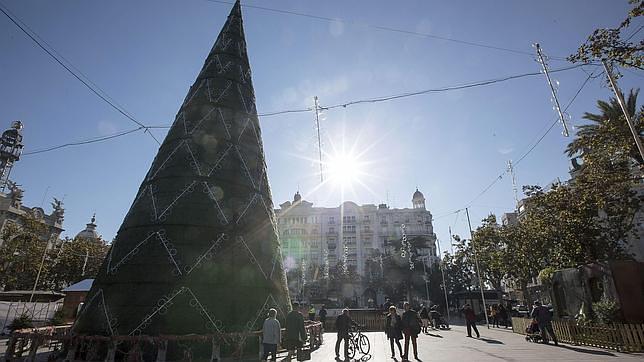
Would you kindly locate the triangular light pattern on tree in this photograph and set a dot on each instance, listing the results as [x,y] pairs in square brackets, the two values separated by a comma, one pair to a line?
[198,250]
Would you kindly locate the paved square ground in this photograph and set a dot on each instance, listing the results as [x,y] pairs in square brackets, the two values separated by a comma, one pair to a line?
[494,345]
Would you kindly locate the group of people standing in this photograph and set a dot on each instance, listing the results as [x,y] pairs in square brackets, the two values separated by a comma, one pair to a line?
[498,314]
[407,326]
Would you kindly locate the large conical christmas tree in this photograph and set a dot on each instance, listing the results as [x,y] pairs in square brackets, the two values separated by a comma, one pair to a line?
[198,251]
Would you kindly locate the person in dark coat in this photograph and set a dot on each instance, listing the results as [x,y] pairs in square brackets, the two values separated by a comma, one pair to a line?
[470,320]
[295,333]
[393,330]
[503,315]
[424,317]
[322,313]
[342,325]
[542,315]
[411,328]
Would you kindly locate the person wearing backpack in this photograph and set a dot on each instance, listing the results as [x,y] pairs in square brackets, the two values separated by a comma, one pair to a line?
[411,329]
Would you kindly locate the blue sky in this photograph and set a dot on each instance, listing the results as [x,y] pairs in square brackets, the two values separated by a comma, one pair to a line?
[146,54]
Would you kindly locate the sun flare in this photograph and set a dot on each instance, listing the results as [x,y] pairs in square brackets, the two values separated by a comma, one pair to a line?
[344,170]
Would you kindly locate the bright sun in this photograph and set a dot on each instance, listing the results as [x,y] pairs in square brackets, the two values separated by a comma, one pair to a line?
[344,170]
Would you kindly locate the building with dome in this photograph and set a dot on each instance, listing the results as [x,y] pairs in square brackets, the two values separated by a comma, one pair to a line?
[350,232]
[89,233]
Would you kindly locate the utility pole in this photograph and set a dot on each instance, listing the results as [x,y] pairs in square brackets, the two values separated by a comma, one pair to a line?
[85,263]
[514,183]
[622,104]
[33,290]
[443,275]
[422,260]
[451,244]
[317,126]
[544,66]
[478,270]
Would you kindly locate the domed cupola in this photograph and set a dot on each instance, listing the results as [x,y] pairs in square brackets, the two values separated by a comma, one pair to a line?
[90,231]
[418,200]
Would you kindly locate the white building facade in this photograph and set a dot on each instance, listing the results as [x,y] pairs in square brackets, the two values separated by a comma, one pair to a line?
[350,233]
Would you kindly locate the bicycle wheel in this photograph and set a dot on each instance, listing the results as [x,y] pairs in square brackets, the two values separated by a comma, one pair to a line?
[363,343]
[352,348]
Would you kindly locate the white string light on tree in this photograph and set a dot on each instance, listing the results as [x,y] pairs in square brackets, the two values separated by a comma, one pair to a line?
[405,247]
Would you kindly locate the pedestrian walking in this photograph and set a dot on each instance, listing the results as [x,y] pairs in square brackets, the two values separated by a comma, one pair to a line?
[424,317]
[393,330]
[342,325]
[543,317]
[494,313]
[470,320]
[312,313]
[295,333]
[271,335]
[503,315]
[411,328]
[322,314]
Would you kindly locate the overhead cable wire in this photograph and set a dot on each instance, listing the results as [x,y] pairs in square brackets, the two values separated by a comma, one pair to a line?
[84,142]
[344,105]
[384,28]
[74,72]
[536,143]
[448,88]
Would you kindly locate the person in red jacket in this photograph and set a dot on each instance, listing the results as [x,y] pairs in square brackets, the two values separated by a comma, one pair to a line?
[470,320]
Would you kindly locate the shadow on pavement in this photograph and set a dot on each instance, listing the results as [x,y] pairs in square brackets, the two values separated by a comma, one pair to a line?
[434,335]
[590,351]
[491,341]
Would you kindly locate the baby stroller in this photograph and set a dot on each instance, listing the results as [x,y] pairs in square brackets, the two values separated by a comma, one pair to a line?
[437,319]
[532,332]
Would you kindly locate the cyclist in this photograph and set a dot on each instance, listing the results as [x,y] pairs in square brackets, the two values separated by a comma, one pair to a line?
[342,325]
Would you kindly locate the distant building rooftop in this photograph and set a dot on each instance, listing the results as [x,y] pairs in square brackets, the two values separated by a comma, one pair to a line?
[82,286]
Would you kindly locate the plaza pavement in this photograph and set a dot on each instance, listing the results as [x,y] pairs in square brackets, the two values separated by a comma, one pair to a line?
[494,345]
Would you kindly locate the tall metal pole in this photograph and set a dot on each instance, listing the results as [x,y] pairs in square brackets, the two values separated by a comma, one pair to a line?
[443,275]
[562,118]
[622,104]
[317,125]
[514,183]
[33,290]
[478,271]
[422,260]
[451,245]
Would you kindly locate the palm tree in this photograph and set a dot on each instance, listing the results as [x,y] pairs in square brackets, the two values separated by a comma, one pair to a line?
[608,130]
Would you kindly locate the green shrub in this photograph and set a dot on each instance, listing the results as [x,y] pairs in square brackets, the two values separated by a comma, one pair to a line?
[22,322]
[606,311]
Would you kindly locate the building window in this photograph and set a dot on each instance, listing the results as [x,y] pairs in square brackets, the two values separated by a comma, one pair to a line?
[349,228]
[349,219]
[331,220]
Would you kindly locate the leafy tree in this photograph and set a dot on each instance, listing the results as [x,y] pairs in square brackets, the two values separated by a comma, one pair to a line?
[459,271]
[488,246]
[612,44]
[608,133]
[21,254]
[75,260]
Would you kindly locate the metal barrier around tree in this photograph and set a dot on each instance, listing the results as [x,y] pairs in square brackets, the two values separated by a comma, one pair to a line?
[616,336]
[24,344]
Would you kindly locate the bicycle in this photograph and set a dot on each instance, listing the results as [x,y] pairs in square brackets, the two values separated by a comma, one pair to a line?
[358,341]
